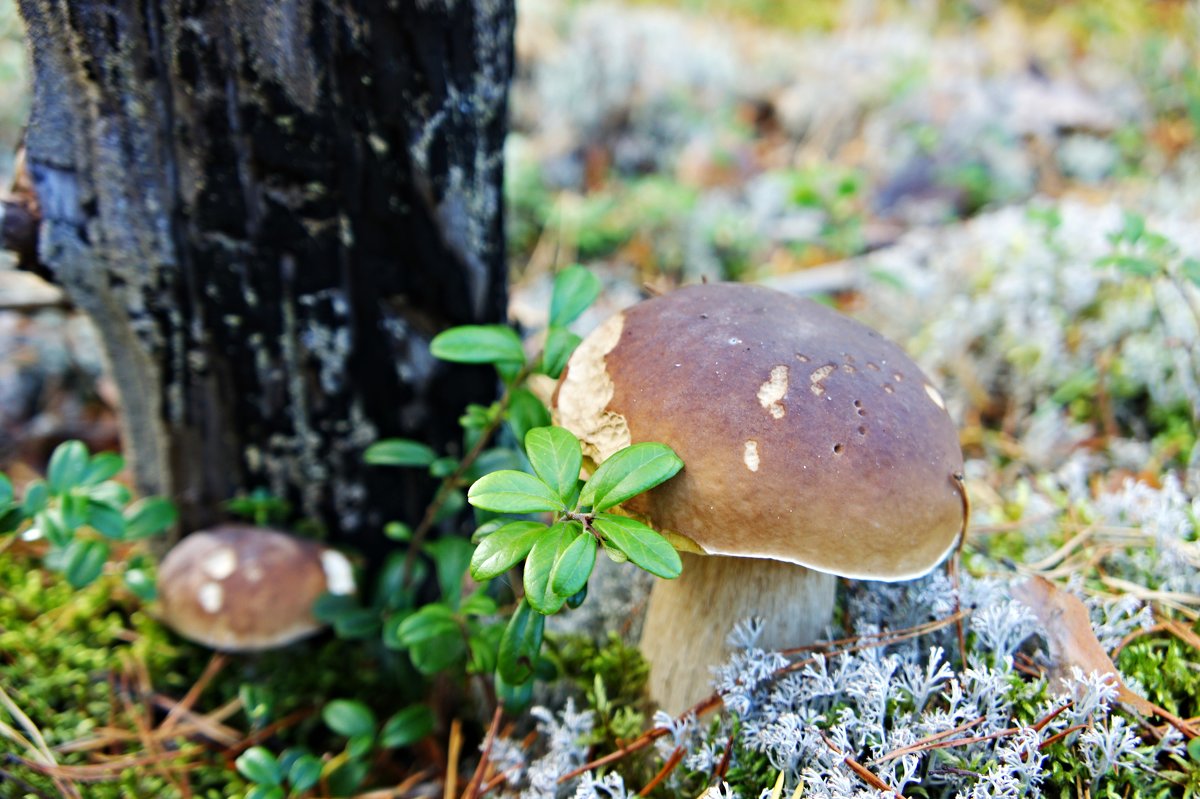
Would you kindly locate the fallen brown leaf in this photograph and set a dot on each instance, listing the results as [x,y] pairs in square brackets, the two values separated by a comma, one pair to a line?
[1072,641]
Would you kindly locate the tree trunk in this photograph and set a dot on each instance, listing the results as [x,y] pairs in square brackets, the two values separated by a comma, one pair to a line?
[268,207]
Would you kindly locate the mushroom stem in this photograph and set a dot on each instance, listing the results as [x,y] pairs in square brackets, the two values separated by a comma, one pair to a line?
[689,618]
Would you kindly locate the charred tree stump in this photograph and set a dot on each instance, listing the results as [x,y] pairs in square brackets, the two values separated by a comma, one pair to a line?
[268,207]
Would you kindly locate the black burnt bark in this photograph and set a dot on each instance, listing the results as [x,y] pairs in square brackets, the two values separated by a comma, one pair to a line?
[269,207]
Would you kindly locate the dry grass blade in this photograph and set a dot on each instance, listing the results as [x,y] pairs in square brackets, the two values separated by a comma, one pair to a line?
[664,772]
[472,790]
[864,773]
[35,744]
[921,744]
[450,790]
[215,664]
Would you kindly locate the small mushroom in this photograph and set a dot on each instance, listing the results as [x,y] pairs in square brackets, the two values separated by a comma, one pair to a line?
[812,447]
[240,588]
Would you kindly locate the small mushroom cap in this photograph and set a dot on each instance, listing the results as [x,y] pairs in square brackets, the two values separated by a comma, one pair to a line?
[806,436]
[242,588]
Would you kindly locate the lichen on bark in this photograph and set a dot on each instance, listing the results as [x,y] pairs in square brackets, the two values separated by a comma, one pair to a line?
[269,209]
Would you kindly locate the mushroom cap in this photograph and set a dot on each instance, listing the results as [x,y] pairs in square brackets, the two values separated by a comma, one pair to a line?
[243,588]
[806,437]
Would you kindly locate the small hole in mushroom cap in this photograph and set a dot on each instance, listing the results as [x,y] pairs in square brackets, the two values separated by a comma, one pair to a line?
[838,448]
[862,429]
[848,369]
[872,366]
[858,407]
[889,389]
[897,377]
[801,358]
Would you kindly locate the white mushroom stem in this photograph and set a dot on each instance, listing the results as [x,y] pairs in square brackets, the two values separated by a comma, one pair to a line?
[690,617]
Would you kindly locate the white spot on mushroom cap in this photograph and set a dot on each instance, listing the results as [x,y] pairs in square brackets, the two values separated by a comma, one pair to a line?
[772,392]
[817,376]
[211,596]
[585,391]
[936,396]
[339,576]
[750,455]
[221,563]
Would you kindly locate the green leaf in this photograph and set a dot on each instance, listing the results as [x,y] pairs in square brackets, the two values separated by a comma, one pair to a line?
[451,556]
[398,531]
[357,623]
[110,493]
[513,696]
[1193,748]
[520,645]
[443,467]
[399,452]
[560,343]
[407,727]
[36,497]
[11,518]
[101,467]
[573,568]
[6,490]
[431,621]
[478,604]
[85,559]
[556,457]
[436,655]
[510,491]
[55,530]
[266,792]
[139,582]
[304,772]
[628,473]
[575,288]
[641,544]
[67,466]
[328,608]
[478,344]
[359,746]
[1190,268]
[349,717]
[504,548]
[105,520]
[149,516]
[345,779]
[576,599]
[540,563]
[257,764]
[525,412]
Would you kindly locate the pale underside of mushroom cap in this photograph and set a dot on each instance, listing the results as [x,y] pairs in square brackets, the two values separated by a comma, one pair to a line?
[244,588]
[806,436]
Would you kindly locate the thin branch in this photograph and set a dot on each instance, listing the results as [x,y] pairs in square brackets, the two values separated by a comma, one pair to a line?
[472,790]
[454,479]
[664,772]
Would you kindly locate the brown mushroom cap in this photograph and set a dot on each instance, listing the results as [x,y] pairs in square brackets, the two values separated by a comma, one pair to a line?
[806,436]
[242,588]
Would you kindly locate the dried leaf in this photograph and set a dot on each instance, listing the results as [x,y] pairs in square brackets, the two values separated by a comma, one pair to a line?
[1068,629]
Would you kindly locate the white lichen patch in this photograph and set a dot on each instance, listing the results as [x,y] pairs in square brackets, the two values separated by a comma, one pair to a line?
[817,378]
[221,563]
[211,597]
[339,577]
[936,396]
[585,392]
[750,455]
[772,392]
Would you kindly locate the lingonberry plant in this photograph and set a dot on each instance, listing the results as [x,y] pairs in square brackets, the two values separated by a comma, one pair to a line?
[531,506]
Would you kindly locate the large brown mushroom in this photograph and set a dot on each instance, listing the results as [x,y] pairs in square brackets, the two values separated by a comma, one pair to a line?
[242,588]
[812,447]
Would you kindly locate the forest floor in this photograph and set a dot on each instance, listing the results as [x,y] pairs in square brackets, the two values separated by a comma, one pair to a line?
[1009,190]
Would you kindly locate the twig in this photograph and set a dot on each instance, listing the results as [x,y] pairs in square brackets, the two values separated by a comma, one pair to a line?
[664,772]
[295,717]
[214,666]
[865,774]
[472,790]
[919,745]
[450,788]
